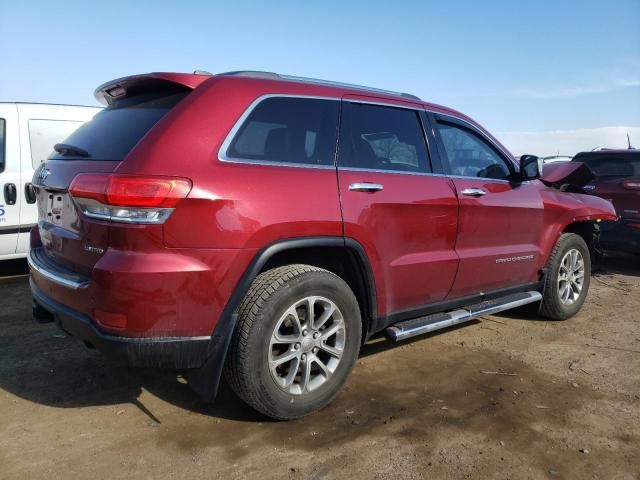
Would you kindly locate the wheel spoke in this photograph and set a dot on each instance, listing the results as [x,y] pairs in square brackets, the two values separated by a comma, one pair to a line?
[333,351]
[306,374]
[284,357]
[332,330]
[293,371]
[323,367]
[291,314]
[326,315]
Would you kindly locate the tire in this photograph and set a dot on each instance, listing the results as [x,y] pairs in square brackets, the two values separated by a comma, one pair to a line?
[557,302]
[275,299]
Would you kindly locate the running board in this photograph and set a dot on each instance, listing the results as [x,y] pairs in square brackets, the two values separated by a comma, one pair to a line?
[430,323]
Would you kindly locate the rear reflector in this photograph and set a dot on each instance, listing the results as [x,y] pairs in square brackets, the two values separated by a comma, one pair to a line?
[632,184]
[116,321]
[128,198]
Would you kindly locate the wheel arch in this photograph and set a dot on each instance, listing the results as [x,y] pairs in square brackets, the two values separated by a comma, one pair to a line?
[343,256]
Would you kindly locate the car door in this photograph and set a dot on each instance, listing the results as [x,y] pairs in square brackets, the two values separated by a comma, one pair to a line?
[9,179]
[500,219]
[404,217]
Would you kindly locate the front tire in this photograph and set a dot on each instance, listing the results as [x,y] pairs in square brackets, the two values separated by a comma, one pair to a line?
[297,339]
[568,278]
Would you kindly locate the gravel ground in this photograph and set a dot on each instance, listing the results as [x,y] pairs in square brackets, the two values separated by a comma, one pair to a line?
[570,409]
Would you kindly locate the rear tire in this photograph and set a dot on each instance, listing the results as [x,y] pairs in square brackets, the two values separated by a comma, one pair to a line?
[283,360]
[568,278]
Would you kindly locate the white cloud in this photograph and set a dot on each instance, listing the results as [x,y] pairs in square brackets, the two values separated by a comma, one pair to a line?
[568,142]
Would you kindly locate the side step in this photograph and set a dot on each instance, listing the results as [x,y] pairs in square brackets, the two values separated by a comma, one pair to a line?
[421,325]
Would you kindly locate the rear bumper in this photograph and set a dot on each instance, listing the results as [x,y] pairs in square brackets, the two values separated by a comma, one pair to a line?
[166,352]
[619,236]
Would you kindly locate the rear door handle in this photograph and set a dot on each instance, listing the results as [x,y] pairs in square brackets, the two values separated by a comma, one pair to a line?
[30,193]
[10,193]
[473,192]
[365,187]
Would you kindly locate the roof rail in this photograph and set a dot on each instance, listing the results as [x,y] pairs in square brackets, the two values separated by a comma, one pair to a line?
[315,81]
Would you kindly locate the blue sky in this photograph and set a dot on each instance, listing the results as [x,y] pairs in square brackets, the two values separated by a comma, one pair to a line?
[513,66]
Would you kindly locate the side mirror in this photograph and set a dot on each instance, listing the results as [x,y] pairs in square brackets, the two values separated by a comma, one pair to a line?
[530,167]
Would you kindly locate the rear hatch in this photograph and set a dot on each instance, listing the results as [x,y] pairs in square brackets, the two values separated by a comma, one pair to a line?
[69,237]
[617,179]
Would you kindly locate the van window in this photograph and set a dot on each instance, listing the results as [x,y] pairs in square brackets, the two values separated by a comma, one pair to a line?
[2,142]
[469,155]
[114,131]
[288,130]
[382,138]
[44,134]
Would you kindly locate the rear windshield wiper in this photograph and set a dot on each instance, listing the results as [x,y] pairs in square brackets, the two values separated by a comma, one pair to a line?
[70,150]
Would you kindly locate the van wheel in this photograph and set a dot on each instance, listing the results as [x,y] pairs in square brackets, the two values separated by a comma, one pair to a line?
[569,274]
[297,339]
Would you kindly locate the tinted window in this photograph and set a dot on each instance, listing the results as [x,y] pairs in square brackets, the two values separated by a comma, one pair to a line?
[382,138]
[288,130]
[2,142]
[469,155]
[114,131]
[613,167]
[44,134]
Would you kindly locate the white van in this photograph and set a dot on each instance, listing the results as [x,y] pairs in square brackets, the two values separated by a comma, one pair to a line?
[28,133]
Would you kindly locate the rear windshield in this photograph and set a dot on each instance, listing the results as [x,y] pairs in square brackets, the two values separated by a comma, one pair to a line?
[613,166]
[113,132]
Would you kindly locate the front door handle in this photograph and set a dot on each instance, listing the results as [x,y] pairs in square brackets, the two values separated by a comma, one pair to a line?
[365,187]
[10,193]
[473,192]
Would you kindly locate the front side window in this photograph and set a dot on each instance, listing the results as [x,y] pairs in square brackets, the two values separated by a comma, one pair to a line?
[288,130]
[44,134]
[382,138]
[2,143]
[469,155]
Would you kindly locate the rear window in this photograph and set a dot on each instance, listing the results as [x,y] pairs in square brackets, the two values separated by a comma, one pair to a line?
[114,131]
[382,138]
[288,130]
[2,134]
[44,134]
[613,167]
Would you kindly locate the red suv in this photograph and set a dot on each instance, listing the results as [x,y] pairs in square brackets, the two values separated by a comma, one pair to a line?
[617,178]
[266,226]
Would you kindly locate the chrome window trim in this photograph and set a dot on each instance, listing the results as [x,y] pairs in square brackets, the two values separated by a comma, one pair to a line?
[224,157]
[377,170]
[382,103]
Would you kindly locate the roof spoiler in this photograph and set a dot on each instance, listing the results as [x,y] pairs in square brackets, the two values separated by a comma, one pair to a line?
[114,89]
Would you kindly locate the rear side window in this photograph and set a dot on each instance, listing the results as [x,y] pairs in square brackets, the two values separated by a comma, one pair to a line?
[469,155]
[613,167]
[44,134]
[2,143]
[288,130]
[114,131]
[382,138]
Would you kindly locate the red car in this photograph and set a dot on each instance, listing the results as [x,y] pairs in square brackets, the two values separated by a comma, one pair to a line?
[266,226]
[617,178]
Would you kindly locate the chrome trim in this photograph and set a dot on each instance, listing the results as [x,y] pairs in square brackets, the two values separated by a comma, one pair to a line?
[458,316]
[365,187]
[382,103]
[473,192]
[378,170]
[65,282]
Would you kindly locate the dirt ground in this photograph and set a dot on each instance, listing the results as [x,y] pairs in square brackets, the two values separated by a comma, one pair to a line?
[423,409]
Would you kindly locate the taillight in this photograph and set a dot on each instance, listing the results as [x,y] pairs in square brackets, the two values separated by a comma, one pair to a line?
[632,184]
[128,198]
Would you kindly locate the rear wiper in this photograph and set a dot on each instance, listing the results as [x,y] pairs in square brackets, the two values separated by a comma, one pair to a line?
[67,150]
